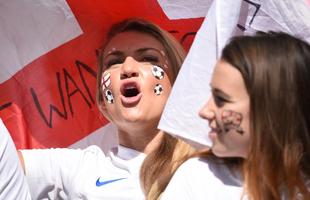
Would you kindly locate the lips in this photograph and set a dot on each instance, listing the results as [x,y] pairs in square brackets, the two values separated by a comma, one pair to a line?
[130,93]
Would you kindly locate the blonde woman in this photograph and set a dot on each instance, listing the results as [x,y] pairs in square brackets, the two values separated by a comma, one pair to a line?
[137,66]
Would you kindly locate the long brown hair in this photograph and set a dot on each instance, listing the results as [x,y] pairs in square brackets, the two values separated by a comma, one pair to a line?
[276,71]
[161,163]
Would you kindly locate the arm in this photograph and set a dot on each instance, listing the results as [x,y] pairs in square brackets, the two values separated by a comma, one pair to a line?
[50,172]
[13,184]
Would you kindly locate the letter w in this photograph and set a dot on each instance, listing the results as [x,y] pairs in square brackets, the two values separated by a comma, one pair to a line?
[52,107]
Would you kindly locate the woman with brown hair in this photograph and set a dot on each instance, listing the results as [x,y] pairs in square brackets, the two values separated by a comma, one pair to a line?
[137,66]
[259,115]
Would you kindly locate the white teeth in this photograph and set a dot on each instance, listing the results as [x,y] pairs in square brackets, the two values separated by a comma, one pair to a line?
[130,87]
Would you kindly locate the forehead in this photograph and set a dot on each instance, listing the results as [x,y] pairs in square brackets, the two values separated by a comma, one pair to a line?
[131,41]
[228,79]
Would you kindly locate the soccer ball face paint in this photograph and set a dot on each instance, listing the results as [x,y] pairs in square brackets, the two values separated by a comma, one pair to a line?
[158,90]
[109,96]
[158,72]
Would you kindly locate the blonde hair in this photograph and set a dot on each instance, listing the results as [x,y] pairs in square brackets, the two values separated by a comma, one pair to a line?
[160,164]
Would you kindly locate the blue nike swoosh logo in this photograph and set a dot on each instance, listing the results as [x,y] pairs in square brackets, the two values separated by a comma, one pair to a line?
[99,183]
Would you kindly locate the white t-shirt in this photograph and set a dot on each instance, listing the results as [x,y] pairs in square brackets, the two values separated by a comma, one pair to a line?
[203,179]
[84,174]
[13,185]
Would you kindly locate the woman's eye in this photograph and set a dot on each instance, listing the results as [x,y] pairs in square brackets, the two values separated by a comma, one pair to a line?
[111,62]
[151,59]
[219,101]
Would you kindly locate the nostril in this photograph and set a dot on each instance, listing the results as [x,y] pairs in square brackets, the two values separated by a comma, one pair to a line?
[124,76]
[129,75]
[134,74]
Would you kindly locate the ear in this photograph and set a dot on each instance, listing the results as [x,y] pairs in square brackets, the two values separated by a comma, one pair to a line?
[104,111]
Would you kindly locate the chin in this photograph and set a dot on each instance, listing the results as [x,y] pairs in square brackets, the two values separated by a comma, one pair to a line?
[225,153]
[221,152]
[132,118]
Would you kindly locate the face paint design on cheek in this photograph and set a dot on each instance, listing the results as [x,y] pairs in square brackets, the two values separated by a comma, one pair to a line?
[158,72]
[232,120]
[158,89]
[109,96]
[106,81]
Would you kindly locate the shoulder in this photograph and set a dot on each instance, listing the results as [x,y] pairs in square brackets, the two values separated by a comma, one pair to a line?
[62,158]
[91,150]
[210,168]
[200,178]
[203,167]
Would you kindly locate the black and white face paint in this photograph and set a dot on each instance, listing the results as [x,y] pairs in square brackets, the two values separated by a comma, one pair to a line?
[158,72]
[109,96]
[158,89]
[105,83]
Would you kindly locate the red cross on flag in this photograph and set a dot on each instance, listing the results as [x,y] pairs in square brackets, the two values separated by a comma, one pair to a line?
[48,64]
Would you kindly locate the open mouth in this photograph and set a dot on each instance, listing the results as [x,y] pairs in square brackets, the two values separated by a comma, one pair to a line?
[130,91]
[130,94]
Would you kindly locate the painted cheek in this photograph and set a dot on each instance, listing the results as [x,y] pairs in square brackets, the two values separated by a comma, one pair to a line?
[158,72]
[109,96]
[106,80]
[158,89]
[231,120]
[105,84]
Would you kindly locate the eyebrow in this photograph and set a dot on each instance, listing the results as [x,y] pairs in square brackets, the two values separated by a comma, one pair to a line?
[114,53]
[120,53]
[141,50]
[221,93]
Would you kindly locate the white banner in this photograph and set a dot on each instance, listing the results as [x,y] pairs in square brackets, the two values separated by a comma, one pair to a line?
[183,9]
[224,19]
[30,29]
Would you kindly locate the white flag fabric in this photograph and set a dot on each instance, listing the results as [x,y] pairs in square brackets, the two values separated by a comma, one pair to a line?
[224,19]
[29,30]
[182,9]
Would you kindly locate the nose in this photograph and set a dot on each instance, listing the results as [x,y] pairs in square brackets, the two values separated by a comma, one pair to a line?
[207,111]
[130,68]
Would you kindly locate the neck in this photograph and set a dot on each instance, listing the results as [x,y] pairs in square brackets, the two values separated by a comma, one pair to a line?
[144,140]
